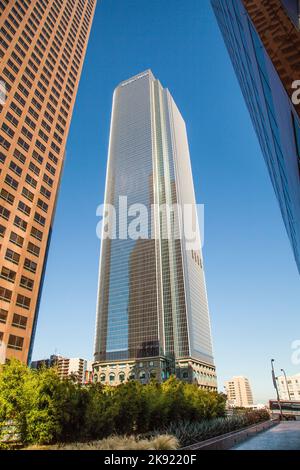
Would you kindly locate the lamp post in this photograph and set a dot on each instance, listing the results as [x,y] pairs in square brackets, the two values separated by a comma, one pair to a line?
[276,387]
[286,383]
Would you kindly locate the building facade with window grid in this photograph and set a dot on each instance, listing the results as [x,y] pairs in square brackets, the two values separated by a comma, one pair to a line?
[42,48]
[263,40]
[152,314]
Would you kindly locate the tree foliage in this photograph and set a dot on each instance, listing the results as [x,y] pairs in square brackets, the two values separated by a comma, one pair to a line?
[45,409]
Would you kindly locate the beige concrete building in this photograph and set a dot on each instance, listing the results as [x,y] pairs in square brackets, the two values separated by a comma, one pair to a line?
[239,392]
[74,367]
[289,388]
[42,48]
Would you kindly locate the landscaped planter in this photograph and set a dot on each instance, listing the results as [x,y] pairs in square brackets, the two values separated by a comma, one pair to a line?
[227,441]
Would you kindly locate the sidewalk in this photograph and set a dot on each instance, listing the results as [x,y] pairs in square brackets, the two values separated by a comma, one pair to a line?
[284,436]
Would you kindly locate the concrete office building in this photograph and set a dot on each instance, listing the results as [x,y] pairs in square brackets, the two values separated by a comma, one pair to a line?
[263,40]
[152,313]
[239,392]
[42,48]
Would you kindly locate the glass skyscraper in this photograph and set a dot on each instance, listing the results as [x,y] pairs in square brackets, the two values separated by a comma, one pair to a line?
[152,312]
[263,40]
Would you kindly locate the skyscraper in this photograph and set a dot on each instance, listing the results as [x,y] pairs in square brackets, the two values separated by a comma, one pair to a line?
[152,313]
[42,48]
[263,40]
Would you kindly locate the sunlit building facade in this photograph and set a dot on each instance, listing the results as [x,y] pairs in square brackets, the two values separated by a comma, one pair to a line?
[239,393]
[152,313]
[263,40]
[42,48]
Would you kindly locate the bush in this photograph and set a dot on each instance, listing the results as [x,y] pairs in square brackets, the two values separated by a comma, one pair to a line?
[163,442]
[46,410]
[188,432]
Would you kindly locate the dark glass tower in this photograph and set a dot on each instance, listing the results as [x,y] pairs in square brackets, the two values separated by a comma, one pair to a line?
[263,40]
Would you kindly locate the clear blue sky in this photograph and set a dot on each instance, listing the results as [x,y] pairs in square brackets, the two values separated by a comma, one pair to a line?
[252,280]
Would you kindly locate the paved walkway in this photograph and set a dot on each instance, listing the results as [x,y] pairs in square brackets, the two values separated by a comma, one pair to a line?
[284,436]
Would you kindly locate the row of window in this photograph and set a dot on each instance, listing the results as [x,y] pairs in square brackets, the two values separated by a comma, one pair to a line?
[14,258]
[18,222]
[14,342]
[22,300]
[19,321]
[10,275]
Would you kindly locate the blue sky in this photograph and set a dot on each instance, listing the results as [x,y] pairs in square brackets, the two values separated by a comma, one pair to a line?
[252,281]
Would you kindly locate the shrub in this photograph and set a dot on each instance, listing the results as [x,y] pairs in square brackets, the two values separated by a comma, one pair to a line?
[161,442]
[188,432]
[46,410]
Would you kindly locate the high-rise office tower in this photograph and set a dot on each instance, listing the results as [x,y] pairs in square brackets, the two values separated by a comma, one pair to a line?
[42,48]
[152,313]
[263,40]
[239,392]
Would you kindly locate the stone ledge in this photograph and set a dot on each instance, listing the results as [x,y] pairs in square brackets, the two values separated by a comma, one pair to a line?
[227,441]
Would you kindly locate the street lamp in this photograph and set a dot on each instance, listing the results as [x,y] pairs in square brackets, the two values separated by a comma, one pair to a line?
[276,387]
[286,383]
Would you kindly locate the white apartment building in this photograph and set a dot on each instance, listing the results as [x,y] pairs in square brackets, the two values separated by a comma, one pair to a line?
[289,388]
[75,366]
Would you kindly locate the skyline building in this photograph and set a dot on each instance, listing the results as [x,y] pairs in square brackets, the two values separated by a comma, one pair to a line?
[263,41]
[152,312]
[289,387]
[239,393]
[42,48]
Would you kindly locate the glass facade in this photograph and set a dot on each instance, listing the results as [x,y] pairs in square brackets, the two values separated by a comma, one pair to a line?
[272,111]
[152,300]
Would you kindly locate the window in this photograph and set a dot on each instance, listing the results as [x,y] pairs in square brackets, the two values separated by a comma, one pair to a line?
[39,219]
[8,274]
[11,182]
[112,378]
[2,230]
[122,377]
[36,233]
[31,181]
[18,222]
[35,169]
[28,194]
[15,342]
[19,321]
[24,208]
[15,168]
[23,301]
[5,294]
[3,315]
[19,155]
[12,256]
[7,196]
[16,239]
[4,213]
[2,157]
[42,205]
[45,192]
[26,283]
[35,250]
[30,265]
